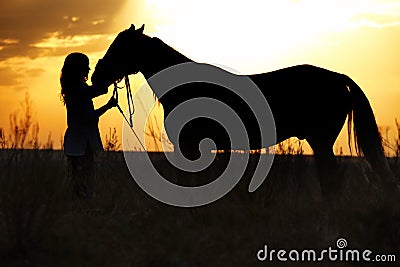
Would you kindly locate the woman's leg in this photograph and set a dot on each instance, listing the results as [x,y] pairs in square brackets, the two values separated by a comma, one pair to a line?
[90,173]
[76,173]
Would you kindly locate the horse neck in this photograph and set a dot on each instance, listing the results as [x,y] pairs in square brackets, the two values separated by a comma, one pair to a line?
[161,56]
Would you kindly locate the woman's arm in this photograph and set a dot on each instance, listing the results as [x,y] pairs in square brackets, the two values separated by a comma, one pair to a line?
[111,103]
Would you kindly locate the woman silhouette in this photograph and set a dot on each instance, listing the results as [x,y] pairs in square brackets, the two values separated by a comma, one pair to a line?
[82,138]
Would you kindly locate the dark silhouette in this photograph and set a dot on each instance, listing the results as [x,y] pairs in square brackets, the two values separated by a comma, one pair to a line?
[82,138]
[307,102]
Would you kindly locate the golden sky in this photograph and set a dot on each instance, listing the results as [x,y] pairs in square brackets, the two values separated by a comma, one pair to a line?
[357,38]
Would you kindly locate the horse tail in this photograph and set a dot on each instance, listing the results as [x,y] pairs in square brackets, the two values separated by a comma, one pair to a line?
[367,139]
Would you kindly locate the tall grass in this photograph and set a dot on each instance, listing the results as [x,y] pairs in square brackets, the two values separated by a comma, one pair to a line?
[112,141]
[123,226]
[32,181]
[32,190]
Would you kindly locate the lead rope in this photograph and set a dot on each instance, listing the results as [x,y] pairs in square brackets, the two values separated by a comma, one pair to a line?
[131,107]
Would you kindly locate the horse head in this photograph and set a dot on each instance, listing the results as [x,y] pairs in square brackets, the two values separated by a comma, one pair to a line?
[122,58]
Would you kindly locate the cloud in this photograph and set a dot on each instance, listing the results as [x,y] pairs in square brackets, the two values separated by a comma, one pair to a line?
[55,40]
[13,73]
[8,76]
[376,20]
[58,45]
[28,25]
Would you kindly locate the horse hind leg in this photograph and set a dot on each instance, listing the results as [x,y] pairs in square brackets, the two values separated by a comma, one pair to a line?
[331,181]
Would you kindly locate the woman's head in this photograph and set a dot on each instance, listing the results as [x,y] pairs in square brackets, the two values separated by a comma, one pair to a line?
[74,71]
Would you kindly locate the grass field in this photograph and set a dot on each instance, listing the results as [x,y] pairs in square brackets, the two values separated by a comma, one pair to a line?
[123,226]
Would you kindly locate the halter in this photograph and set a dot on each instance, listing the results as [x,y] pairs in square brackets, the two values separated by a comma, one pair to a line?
[131,106]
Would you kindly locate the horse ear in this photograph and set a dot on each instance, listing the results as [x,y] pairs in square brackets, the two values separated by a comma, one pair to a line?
[140,30]
[132,28]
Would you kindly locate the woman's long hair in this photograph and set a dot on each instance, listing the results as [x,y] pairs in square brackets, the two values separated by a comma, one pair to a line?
[73,72]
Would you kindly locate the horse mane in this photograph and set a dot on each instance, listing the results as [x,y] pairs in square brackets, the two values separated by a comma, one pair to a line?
[167,53]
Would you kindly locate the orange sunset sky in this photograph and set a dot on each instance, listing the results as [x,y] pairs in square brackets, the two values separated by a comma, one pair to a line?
[358,38]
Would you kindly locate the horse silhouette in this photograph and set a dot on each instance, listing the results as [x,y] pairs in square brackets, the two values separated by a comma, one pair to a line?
[307,102]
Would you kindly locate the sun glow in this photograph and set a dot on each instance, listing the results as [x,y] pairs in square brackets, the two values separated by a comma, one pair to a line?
[250,35]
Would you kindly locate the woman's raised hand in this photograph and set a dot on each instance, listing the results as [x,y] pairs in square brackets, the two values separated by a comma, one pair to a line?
[112,102]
